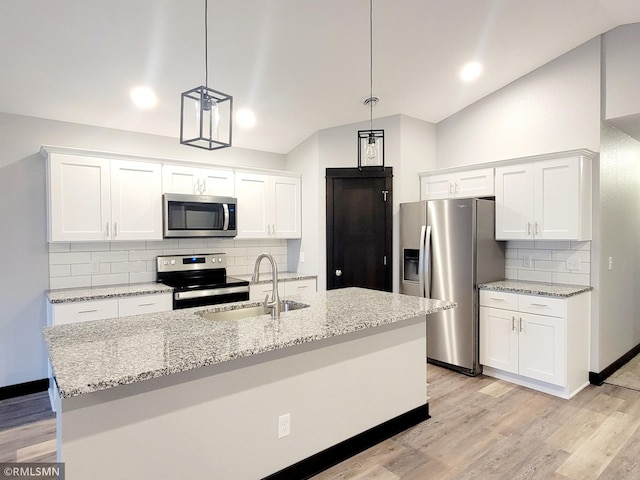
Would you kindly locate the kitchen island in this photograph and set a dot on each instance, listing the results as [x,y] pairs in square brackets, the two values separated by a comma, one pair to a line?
[173,394]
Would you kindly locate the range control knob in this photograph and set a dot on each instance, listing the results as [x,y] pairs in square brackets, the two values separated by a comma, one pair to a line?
[173,262]
[213,260]
[165,262]
[219,259]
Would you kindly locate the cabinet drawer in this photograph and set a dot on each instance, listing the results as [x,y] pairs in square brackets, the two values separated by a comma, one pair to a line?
[160,302]
[258,291]
[507,301]
[299,286]
[551,307]
[83,311]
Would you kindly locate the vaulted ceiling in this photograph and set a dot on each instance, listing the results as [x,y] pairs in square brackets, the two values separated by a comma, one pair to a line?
[300,65]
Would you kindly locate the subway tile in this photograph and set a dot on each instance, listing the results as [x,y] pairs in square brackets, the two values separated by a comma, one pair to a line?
[59,247]
[109,279]
[516,263]
[572,278]
[237,270]
[69,282]
[528,244]
[563,255]
[534,254]
[278,250]
[511,253]
[142,277]
[586,245]
[534,276]
[220,244]
[152,266]
[552,245]
[93,268]
[178,251]
[121,267]
[69,258]
[90,246]
[60,270]
[162,244]
[137,255]
[129,245]
[195,243]
[511,273]
[550,266]
[110,256]
[255,251]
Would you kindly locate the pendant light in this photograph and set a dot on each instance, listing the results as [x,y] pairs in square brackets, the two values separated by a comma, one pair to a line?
[206,114]
[371,142]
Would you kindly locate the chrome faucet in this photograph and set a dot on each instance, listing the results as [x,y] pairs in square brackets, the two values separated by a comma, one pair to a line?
[274,304]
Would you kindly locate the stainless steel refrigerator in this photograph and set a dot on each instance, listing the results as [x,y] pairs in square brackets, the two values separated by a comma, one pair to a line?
[447,249]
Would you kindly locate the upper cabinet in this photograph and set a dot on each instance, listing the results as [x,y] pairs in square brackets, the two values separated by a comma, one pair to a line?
[269,206]
[197,181]
[544,200]
[98,199]
[471,183]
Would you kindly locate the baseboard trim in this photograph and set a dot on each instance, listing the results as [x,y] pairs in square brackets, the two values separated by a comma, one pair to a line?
[26,388]
[325,459]
[599,378]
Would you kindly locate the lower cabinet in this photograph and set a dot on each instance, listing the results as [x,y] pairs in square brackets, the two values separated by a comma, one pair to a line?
[535,341]
[258,291]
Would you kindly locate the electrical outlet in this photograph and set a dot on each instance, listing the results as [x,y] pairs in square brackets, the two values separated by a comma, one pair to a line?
[301,257]
[527,260]
[573,263]
[610,263]
[284,425]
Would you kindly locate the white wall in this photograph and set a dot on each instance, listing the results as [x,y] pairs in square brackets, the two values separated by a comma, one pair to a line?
[409,149]
[23,246]
[622,57]
[618,307]
[553,109]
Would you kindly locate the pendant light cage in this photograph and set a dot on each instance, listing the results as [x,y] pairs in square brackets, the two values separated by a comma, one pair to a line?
[371,142]
[206,115]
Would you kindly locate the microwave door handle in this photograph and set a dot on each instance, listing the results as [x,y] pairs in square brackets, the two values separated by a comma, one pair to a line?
[225,208]
[427,263]
[423,233]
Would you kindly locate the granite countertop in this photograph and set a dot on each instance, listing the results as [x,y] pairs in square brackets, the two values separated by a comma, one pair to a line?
[535,288]
[91,356]
[265,277]
[67,295]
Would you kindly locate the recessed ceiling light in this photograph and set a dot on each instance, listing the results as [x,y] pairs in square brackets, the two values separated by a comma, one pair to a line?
[470,71]
[245,118]
[143,97]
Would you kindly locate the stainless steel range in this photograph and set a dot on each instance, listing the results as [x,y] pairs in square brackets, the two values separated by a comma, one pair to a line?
[200,280]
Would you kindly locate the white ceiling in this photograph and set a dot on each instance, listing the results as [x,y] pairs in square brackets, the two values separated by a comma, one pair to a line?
[300,65]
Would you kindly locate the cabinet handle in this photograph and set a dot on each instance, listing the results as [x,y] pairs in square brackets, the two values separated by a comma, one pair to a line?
[496,299]
[451,188]
[521,324]
[537,229]
[88,311]
[146,304]
[513,323]
[539,305]
[115,229]
[107,234]
[457,188]
[528,228]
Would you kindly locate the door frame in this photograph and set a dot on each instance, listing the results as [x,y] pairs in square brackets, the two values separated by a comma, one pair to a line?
[335,173]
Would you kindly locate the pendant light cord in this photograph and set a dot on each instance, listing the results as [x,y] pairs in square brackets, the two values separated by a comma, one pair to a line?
[370,64]
[206,44]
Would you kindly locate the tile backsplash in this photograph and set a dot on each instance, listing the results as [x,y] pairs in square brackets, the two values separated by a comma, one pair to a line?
[92,264]
[566,262]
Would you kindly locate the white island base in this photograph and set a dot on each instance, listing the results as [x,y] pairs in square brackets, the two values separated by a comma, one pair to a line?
[221,421]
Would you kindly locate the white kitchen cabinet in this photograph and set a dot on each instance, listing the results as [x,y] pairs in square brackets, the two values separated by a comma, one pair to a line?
[471,183]
[544,200]
[269,206]
[97,199]
[538,342]
[197,181]
[138,304]
[257,291]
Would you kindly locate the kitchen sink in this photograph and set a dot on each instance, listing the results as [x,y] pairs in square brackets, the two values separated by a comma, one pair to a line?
[253,311]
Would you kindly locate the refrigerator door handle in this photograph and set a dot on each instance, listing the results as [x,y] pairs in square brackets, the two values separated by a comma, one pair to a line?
[427,263]
[423,234]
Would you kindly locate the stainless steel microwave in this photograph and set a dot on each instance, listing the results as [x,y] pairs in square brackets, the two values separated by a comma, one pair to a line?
[199,216]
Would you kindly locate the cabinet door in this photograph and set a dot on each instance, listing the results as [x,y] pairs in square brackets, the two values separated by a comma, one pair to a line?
[499,339]
[557,199]
[474,183]
[218,182]
[79,198]
[75,312]
[542,348]
[257,291]
[434,187]
[180,179]
[136,201]
[252,191]
[159,302]
[514,202]
[287,211]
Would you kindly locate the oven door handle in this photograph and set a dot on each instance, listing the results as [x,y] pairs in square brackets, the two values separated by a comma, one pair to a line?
[209,292]
[225,208]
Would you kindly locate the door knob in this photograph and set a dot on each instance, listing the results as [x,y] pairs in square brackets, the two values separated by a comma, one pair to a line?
[338,273]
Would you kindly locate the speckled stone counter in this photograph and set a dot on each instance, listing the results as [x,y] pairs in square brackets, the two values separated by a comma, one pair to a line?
[535,288]
[97,355]
[282,277]
[68,295]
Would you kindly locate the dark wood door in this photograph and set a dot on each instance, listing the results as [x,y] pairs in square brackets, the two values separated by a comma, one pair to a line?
[359,226]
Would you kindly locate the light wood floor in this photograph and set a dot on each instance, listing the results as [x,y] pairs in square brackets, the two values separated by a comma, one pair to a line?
[480,428]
